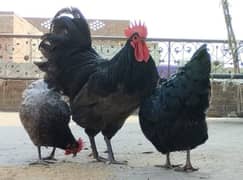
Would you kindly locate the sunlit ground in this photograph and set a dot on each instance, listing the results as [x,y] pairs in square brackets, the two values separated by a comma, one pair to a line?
[221,157]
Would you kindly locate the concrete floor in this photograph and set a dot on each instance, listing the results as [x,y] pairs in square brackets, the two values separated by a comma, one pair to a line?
[220,158]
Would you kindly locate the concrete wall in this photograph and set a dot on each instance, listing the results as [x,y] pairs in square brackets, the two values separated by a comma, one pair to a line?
[6,22]
[17,49]
[227,97]
[10,94]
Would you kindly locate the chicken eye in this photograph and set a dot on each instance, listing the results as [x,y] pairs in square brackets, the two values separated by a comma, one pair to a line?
[135,38]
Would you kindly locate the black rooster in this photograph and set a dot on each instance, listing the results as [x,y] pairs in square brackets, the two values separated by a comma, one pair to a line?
[174,117]
[45,116]
[102,93]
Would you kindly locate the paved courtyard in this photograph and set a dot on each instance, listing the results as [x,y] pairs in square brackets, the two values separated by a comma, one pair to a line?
[220,158]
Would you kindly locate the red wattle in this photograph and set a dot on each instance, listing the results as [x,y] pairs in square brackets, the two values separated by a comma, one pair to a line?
[146,54]
[141,52]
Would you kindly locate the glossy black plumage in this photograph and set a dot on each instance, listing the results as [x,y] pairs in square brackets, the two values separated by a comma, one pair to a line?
[102,93]
[174,117]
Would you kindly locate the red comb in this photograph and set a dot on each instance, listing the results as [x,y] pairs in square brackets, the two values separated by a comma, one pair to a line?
[80,144]
[76,150]
[139,28]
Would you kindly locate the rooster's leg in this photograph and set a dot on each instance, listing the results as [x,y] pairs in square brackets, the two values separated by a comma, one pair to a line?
[51,156]
[111,158]
[188,166]
[168,164]
[94,150]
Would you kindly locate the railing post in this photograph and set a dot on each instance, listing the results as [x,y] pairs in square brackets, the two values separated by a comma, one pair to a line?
[30,53]
[169,58]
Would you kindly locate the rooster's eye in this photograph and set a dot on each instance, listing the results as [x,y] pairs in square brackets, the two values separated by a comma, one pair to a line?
[135,38]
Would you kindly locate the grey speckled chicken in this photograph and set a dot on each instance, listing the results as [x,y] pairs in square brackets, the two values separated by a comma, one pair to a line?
[46,116]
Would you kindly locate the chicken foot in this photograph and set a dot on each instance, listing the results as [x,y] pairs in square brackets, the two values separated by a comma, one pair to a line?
[168,164]
[94,150]
[40,161]
[111,159]
[188,166]
[51,156]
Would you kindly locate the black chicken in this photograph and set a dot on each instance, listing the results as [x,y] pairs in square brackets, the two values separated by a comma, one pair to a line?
[174,117]
[45,116]
[102,93]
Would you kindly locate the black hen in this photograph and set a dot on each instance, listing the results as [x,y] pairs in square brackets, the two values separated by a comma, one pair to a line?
[45,116]
[174,117]
[102,93]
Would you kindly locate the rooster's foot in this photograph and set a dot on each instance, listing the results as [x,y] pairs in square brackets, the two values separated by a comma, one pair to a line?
[101,159]
[117,162]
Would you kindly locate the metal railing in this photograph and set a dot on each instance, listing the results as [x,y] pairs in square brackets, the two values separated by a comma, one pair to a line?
[17,53]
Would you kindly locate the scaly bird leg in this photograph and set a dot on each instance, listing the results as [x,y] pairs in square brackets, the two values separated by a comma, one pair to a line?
[111,158]
[51,156]
[94,150]
[40,161]
[167,164]
[188,166]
